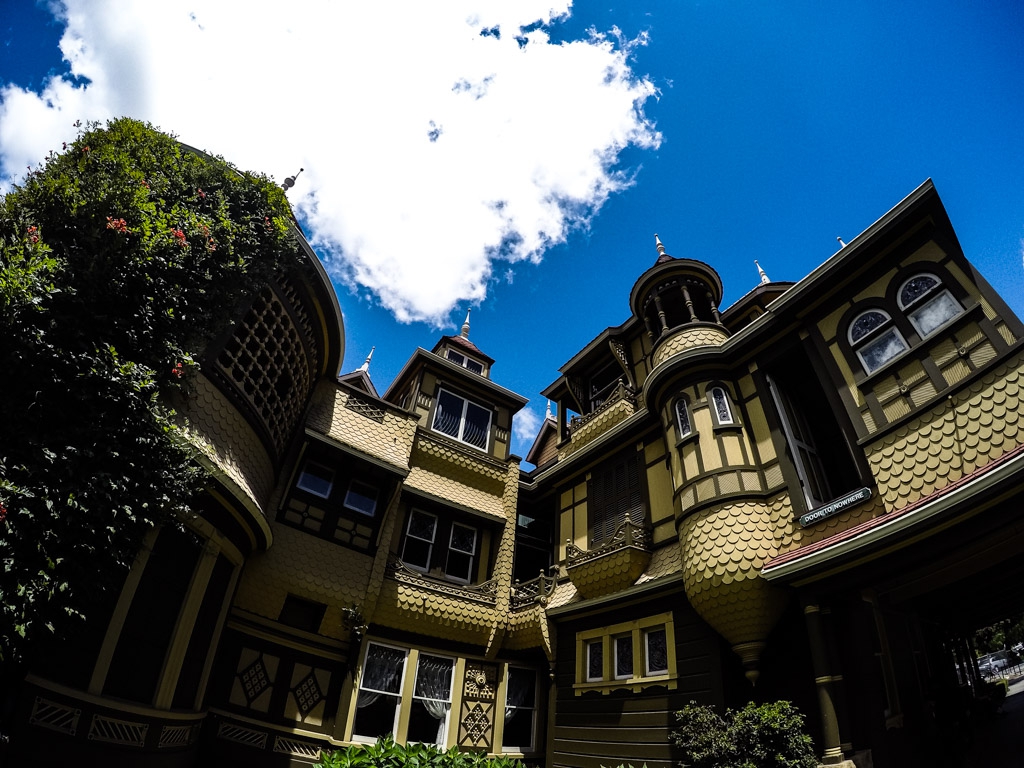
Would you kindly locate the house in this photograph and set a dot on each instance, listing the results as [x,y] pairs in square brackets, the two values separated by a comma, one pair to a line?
[813,494]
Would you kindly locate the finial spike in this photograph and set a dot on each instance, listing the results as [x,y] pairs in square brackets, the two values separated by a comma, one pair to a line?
[662,256]
[761,272]
[465,325]
[366,364]
[547,415]
[841,243]
[290,181]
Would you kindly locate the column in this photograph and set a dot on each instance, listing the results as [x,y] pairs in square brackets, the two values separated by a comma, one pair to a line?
[833,752]
[689,303]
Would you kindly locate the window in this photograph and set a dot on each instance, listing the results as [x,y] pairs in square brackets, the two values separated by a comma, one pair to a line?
[520,710]
[595,660]
[927,304]
[462,419]
[380,692]
[685,429]
[875,339]
[721,408]
[419,540]
[316,479]
[642,654]
[815,431]
[461,549]
[623,657]
[615,492]
[655,652]
[431,700]
[466,362]
[361,498]
[302,614]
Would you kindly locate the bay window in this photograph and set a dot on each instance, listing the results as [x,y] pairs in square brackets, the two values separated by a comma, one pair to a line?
[631,655]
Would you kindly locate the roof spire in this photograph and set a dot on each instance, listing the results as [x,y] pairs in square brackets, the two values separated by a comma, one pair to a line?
[548,414]
[662,256]
[465,326]
[366,364]
[841,243]
[290,181]
[761,272]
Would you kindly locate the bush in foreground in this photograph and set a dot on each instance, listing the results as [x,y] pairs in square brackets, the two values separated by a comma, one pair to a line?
[386,753]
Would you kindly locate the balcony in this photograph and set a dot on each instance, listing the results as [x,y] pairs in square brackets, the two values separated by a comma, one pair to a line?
[619,406]
[614,565]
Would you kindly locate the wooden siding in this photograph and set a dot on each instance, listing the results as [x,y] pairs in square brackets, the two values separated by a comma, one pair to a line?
[595,729]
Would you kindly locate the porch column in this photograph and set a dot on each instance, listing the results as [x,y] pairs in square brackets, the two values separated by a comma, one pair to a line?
[833,752]
[661,315]
[689,303]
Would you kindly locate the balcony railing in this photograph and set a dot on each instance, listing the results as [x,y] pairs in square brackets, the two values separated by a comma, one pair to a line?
[621,392]
[612,566]
[485,592]
[536,591]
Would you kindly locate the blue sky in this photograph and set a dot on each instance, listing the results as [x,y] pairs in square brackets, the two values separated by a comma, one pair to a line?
[759,131]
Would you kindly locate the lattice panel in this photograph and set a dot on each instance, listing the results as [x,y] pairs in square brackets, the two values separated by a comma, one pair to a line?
[242,735]
[56,717]
[476,725]
[307,749]
[364,408]
[115,731]
[177,735]
[266,360]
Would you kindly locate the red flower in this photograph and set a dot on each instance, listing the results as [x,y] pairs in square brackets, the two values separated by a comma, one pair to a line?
[202,194]
[32,236]
[3,513]
[118,225]
[177,371]
[180,237]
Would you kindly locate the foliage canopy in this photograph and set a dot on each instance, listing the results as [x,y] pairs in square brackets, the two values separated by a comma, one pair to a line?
[121,257]
[386,753]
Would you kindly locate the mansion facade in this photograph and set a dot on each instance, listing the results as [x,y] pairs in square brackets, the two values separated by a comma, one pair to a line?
[814,494]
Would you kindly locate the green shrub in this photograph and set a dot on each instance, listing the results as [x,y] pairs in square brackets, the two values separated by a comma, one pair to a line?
[758,736]
[386,753]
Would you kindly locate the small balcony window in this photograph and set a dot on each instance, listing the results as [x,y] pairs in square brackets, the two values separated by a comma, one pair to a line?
[419,540]
[927,304]
[461,552]
[462,419]
[361,498]
[316,479]
[875,339]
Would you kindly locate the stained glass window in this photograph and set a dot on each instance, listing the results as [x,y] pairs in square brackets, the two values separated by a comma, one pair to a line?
[624,656]
[683,418]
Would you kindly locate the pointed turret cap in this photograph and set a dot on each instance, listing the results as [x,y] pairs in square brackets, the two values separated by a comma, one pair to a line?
[366,363]
[662,255]
[465,325]
[761,272]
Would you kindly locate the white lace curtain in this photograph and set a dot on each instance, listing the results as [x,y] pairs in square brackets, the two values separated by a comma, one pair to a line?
[434,689]
[518,690]
[382,673]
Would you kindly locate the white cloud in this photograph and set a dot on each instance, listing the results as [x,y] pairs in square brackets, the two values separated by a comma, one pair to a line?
[525,426]
[430,151]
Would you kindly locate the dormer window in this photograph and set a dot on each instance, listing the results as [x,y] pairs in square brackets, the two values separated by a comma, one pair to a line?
[462,419]
[316,479]
[927,304]
[466,362]
[875,339]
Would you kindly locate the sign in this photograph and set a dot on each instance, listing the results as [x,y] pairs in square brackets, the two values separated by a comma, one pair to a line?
[835,507]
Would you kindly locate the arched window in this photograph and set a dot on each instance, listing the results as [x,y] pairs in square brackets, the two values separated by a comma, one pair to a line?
[875,339]
[683,424]
[720,406]
[927,303]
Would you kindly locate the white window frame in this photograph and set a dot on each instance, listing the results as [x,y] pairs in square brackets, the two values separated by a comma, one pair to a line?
[471,554]
[328,475]
[873,337]
[430,544]
[914,308]
[648,672]
[466,402]
[375,496]
[531,708]
[607,639]
[400,695]
[615,656]
[715,392]
[443,731]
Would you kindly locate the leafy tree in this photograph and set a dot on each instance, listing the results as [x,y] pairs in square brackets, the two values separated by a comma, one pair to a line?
[758,736]
[121,257]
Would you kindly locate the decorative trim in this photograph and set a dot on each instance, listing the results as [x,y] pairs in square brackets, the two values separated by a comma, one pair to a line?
[114,731]
[306,749]
[242,735]
[486,593]
[626,535]
[178,735]
[536,591]
[621,392]
[56,717]
[365,408]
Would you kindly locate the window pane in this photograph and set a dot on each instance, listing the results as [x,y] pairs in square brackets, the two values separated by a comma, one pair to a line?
[520,701]
[682,418]
[434,678]
[316,479]
[382,671]
[448,415]
[422,525]
[428,715]
[624,656]
[882,350]
[478,422]
[375,715]
[721,402]
[915,288]
[361,498]
[657,652]
[866,323]
[936,312]
[455,357]
[595,660]
[474,366]
[463,538]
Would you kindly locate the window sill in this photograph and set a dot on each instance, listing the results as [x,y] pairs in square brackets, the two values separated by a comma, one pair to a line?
[734,427]
[692,437]
[634,684]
